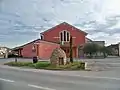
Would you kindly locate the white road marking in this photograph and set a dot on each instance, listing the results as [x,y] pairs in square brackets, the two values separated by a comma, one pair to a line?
[94,77]
[40,87]
[7,80]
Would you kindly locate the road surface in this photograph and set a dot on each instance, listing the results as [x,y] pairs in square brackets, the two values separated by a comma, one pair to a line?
[30,79]
[25,79]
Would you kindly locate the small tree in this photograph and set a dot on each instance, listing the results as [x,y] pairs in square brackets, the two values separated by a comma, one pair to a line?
[105,50]
[71,51]
[91,49]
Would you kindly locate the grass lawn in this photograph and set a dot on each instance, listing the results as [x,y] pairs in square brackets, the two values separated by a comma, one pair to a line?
[46,65]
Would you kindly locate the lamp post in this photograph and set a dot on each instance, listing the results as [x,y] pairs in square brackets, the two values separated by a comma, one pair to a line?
[35,60]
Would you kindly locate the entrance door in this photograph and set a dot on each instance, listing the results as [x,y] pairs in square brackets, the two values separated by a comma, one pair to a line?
[80,53]
[67,51]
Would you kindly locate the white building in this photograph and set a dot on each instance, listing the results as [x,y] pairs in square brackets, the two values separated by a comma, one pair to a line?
[4,52]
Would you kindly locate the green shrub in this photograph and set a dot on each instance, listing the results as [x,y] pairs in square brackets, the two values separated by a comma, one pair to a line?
[53,68]
[46,65]
[31,65]
[71,66]
[42,65]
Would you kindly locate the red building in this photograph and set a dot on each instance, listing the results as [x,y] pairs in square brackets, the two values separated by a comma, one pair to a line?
[40,48]
[58,36]
[61,34]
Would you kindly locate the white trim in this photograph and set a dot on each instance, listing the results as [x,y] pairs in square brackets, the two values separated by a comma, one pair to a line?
[73,37]
[56,37]
[36,43]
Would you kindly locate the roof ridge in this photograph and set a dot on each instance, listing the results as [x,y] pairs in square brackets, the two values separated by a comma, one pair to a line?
[63,23]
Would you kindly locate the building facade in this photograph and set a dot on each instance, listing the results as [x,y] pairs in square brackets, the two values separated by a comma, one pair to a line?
[61,34]
[4,51]
[115,49]
[41,49]
[55,37]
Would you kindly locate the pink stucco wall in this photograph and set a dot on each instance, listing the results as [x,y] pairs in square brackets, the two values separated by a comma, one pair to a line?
[43,49]
[46,49]
[27,51]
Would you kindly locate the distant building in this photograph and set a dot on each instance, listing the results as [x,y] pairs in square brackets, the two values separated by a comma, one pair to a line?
[4,51]
[100,43]
[115,49]
[88,40]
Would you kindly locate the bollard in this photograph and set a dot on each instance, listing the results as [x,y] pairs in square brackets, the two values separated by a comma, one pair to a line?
[35,59]
[83,65]
[15,59]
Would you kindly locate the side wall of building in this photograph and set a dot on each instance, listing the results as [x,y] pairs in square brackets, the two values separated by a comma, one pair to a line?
[46,49]
[43,49]
[26,52]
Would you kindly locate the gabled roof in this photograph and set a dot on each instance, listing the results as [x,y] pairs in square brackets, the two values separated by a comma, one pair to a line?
[88,39]
[25,44]
[113,46]
[65,23]
[35,41]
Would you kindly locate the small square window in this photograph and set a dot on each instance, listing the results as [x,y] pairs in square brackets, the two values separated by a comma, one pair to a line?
[41,37]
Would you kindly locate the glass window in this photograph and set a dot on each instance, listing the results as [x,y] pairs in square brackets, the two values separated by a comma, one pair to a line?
[64,35]
[68,36]
[61,36]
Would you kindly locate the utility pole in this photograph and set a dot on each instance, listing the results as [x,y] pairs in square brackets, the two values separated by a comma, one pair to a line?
[71,50]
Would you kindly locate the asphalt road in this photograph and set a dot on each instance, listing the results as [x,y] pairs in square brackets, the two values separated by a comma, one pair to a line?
[31,79]
[2,61]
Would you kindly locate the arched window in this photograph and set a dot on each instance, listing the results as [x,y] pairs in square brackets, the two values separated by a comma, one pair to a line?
[61,36]
[65,36]
[68,36]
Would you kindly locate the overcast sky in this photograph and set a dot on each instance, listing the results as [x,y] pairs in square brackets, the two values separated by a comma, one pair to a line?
[22,20]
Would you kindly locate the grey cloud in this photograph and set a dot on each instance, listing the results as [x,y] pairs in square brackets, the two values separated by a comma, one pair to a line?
[3,13]
[72,1]
[26,18]
[113,31]
[104,27]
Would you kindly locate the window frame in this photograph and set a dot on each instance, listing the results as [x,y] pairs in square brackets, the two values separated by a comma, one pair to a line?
[66,36]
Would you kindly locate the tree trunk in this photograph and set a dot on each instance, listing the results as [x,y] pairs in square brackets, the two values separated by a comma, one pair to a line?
[71,51]
[90,55]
